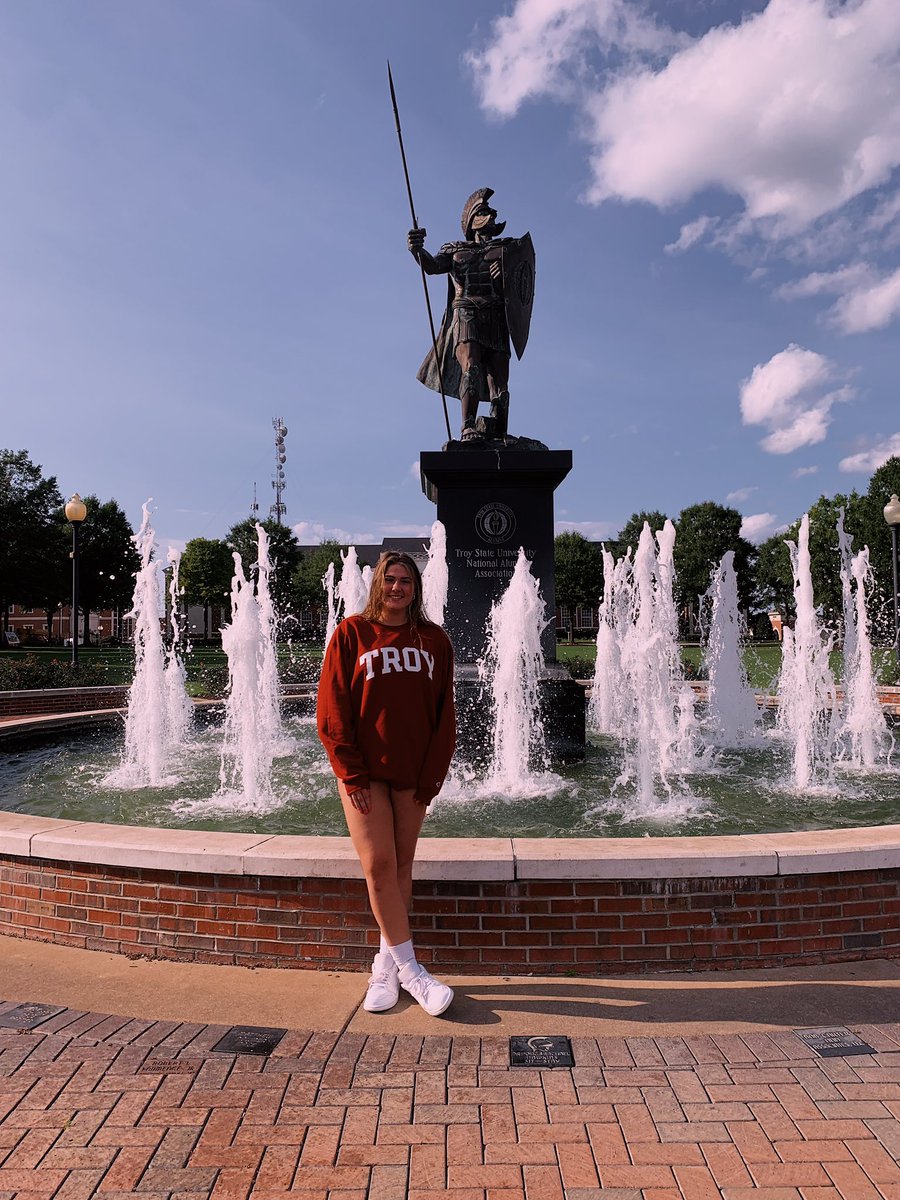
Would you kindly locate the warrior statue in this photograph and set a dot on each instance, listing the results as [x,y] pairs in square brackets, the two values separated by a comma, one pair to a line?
[490,295]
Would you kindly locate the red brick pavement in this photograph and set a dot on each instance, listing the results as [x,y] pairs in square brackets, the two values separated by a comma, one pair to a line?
[95,1105]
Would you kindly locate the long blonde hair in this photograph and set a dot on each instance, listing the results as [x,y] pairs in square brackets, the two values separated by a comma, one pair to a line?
[375,603]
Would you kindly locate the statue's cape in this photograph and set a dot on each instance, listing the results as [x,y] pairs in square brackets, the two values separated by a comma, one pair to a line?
[450,368]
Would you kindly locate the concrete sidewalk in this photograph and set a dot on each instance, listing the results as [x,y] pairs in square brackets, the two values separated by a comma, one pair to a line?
[675,1005]
[683,1088]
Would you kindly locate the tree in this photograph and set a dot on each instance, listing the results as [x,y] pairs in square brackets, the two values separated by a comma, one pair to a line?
[704,532]
[579,571]
[630,533]
[284,555]
[29,528]
[205,574]
[54,582]
[108,559]
[884,483]
[824,554]
[307,580]
[773,581]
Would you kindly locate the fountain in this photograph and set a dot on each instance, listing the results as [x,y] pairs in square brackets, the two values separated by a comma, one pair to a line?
[332,604]
[156,721]
[435,577]
[649,760]
[352,591]
[510,672]
[642,698]
[732,713]
[253,734]
[807,696]
[179,710]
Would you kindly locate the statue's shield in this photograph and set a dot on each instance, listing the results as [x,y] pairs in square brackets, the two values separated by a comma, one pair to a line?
[518,289]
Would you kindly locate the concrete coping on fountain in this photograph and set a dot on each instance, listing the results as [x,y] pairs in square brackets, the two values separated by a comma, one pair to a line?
[460,859]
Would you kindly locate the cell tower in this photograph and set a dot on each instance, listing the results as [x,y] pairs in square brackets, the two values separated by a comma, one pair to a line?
[254,507]
[279,508]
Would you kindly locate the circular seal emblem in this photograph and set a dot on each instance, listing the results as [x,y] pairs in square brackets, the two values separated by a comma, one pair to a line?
[523,282]
[495,523]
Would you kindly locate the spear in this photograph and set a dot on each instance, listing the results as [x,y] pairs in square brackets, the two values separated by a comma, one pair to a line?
[412,209]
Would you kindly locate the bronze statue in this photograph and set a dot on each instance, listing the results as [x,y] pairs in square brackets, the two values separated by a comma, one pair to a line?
[490,296]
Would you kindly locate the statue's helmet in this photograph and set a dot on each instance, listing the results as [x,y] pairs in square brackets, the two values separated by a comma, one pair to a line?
[474,202]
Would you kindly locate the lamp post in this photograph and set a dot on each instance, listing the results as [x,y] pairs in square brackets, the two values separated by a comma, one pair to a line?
[76,511]
[892,516]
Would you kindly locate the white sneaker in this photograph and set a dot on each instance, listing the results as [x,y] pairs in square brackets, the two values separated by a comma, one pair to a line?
[384,987]
[434,996]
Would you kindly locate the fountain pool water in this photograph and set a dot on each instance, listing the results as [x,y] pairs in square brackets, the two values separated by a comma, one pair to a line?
[746,790]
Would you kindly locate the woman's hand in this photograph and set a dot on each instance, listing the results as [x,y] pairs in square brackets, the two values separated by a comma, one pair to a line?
[361,800]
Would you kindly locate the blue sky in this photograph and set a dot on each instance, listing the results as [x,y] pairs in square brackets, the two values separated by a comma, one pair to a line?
[204,219]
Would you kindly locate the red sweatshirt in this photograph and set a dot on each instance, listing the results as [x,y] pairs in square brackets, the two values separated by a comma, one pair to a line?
[385,707]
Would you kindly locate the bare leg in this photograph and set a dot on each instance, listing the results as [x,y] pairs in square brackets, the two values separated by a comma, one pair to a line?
[408,818]
[386,844]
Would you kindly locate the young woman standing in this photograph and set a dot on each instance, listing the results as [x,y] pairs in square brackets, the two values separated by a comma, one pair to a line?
[386,719]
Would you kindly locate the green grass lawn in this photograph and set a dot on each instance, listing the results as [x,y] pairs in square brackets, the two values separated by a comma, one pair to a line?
[762,660]
[207,667]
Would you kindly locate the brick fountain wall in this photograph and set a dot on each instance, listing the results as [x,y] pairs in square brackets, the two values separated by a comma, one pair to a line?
[515,927]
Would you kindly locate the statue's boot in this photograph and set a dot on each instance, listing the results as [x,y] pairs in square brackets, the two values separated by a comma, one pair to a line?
[500,414]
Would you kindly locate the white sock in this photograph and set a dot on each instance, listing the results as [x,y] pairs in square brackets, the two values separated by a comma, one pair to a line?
[403,954]
[383,947]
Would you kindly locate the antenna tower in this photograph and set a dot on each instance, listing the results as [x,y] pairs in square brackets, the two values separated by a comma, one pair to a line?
[254,507]
[279,508]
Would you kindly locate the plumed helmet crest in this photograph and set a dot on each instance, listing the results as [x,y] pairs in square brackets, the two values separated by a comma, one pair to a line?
[473,202]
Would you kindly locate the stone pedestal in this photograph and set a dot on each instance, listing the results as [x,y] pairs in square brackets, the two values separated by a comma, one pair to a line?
[493,500]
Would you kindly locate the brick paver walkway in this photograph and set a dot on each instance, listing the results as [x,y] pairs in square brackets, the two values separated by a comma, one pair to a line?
[94,1104]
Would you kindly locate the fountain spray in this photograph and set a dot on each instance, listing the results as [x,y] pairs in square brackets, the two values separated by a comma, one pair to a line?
[807,699]
[510,670]
[608,689]
[435,577]
[733,714]
[642,698]
[864,722]
[332,603]
[253,733]
[351,590]
[179,710]
[157,718]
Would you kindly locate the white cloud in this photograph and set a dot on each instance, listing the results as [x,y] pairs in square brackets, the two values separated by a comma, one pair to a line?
[314,532]
[837,282]
[789,396]
[739,496]
[866,301]
[759,526]
[691,234]
[799,472]
[873,458]
[873,305]
[594,531]
[543,47]
[415,471]
[794,110]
